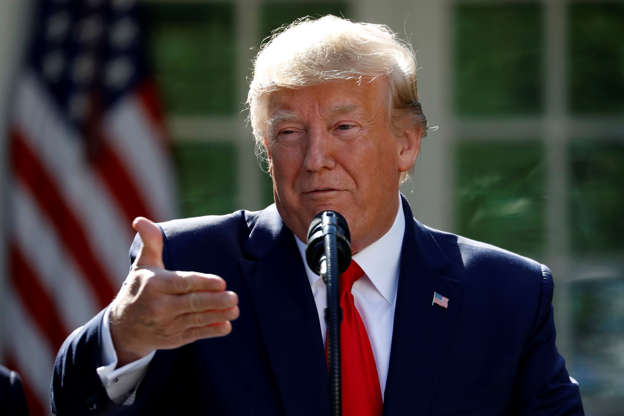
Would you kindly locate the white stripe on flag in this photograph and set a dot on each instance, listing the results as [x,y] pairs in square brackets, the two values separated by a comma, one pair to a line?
[38,241]
[61,153]
[134,137]
[29,348]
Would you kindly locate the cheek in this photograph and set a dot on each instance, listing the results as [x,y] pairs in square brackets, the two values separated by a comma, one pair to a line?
[383,156]
[283,165]
[383,166]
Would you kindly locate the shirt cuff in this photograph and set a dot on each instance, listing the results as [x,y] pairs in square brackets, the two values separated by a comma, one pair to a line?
[120,383]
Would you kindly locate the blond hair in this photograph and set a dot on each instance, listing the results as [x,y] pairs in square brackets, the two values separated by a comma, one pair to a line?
[311,51]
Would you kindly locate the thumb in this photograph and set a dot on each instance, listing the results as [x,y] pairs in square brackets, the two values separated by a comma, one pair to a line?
[150,254]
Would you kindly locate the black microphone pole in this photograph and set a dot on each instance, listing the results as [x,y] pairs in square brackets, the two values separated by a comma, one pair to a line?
[329,253]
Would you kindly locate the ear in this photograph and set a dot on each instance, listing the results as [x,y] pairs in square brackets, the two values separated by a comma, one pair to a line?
[408,147]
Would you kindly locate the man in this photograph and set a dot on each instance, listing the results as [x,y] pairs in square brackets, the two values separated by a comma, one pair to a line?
[12,398]
[449,325]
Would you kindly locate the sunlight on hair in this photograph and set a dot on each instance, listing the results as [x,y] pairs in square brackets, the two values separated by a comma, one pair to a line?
[311,51]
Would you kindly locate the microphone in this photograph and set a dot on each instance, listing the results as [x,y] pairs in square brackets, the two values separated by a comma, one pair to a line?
[332,225]
[329,253]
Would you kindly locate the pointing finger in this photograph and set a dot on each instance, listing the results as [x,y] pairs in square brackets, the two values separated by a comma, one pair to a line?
[179,283]
[204,301]
[210,331]
[190,320]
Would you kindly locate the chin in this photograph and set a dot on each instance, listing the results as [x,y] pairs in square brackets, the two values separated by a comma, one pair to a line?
[333,201]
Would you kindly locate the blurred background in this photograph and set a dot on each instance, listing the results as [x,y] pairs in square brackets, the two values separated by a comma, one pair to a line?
[116,108]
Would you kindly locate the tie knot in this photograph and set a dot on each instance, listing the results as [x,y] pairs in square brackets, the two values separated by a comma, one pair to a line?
[353,273]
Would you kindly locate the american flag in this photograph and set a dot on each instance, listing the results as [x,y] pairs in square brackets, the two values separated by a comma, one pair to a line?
[440,300]
[88,153]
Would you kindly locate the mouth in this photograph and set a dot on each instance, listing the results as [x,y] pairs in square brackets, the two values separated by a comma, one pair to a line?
[321,191]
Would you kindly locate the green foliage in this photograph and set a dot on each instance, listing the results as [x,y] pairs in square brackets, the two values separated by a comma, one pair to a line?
[596,70]
[193,51]
[597,197]
[207,177]
[499,196]
[498,59]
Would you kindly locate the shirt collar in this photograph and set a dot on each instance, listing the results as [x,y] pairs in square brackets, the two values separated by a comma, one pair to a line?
[379,260]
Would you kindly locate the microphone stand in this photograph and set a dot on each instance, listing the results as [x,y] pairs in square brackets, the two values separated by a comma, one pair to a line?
[328,253]
[333,316]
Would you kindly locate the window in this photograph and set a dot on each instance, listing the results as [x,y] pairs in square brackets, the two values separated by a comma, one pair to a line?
[535,113]
[201,52]
[538,105]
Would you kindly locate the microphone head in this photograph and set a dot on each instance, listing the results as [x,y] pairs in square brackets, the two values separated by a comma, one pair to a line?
[323,223]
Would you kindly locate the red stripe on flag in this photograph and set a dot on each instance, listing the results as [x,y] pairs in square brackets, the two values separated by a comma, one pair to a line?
[120,183]
[150,101]
[148,95]
[29,169]
[35,405]
[35,298]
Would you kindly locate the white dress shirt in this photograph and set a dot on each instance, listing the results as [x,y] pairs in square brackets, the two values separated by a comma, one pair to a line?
[120,383]
[375,300]
[374,294]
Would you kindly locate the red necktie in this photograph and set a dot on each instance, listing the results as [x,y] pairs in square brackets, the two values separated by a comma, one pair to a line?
[361,394]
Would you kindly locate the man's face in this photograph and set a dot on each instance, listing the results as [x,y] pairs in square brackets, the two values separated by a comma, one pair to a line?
[332,147]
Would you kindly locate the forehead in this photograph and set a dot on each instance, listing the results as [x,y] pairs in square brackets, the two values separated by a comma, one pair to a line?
[328,98]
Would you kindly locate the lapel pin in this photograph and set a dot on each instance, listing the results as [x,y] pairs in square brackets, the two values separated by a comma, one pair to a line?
[441,301]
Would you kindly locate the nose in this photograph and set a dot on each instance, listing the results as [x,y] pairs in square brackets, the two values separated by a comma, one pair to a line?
[319,150]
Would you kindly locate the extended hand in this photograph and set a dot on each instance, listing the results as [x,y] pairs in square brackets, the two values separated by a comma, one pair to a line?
[162,309]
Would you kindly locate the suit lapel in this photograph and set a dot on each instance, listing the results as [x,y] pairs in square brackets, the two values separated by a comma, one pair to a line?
[422,331]
[287,316]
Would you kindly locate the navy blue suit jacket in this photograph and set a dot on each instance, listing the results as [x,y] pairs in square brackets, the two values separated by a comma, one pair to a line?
[491,352]
[12,398]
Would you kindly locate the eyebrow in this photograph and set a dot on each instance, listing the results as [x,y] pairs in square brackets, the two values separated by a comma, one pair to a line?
[343,108]
[285,115]
[281,115]
[277,117]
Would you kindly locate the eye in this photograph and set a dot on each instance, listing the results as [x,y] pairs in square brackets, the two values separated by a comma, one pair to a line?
[346,129]
[288,134]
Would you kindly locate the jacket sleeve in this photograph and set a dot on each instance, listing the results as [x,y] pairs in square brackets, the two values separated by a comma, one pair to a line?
[543,386]
[76,387]
[12,398]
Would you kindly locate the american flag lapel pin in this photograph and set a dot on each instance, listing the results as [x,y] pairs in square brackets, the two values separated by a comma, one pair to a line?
[441,301]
